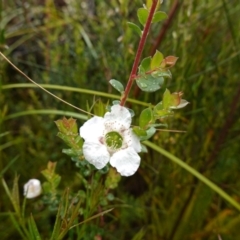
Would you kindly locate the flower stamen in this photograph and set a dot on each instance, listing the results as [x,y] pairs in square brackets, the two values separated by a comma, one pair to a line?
[113,140]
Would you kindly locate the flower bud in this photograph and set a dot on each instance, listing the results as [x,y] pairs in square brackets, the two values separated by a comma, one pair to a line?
[32,188]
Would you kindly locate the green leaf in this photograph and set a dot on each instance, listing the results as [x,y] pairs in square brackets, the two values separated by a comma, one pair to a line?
[139,131]
[171,100]
[156,60]
[144,149]
[162,73]
[117,85]
[49,173]
[67,126]
[159,125]
[142,14]
[161,112]
[2,36]
[56,180]
[167,99]
[148,83]
[159,16]
[145,65]
[146,118]
[15,194]
[148,4]
[99,108]
[33,229]
[47,187]
[150,132]
[73,152]
[112,179]
[195,173]
[75,142]
[135,28]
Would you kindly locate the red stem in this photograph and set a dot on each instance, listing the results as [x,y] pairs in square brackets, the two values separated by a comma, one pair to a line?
[139,53]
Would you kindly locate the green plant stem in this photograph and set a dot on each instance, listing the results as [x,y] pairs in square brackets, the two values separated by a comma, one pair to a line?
[195,173]
[71,89]
[47,112]
[139,53]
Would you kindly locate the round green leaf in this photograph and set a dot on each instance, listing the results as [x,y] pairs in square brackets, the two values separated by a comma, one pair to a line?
[156,60]
[148,83]
[162,73]
[142,14]
[135,28]
[159,16]
[145,65]
[139,131]
[146,117]
[117,85]
[150,132]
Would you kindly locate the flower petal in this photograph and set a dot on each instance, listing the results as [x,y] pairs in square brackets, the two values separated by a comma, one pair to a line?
[126,161]
[96,154]
[135,142]
[93,128]
[120,116]
[131,140]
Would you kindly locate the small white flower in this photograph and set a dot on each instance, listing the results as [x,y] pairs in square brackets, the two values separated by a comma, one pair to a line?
[32,188]
[110,139]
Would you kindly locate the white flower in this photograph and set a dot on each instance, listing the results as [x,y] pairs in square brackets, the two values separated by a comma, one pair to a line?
[110,139]
[32,188]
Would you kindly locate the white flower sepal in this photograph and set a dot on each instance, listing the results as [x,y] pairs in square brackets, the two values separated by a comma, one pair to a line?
[182,104]
[110,139]
[32,188]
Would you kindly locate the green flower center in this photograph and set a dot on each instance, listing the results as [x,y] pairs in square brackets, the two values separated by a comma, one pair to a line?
[113,140]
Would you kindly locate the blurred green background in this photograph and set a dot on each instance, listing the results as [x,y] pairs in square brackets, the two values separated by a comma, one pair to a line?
[83,44]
